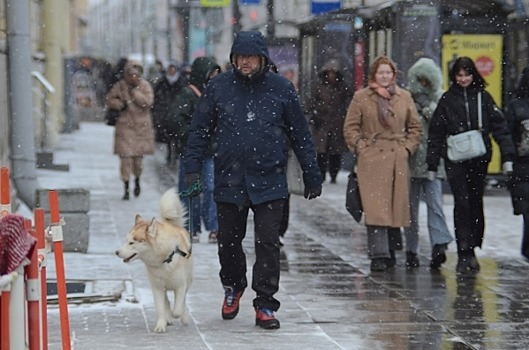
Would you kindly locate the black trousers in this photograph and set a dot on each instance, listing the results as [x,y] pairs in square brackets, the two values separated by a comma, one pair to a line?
[467,181]
[283,227]
[232,230]
[525,238]
[331,162]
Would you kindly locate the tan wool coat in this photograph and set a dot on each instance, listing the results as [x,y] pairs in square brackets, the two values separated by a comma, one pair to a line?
[134,133]
[382,154]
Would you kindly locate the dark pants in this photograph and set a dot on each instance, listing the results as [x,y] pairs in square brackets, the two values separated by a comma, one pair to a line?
[285,217]
[525,238]
[232,230]
[467,181]
[331,162]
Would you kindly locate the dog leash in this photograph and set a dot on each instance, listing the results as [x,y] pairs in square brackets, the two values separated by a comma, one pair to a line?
[193,191]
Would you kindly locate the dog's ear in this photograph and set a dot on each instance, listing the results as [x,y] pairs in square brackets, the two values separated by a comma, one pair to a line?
[138,219]
[152,228]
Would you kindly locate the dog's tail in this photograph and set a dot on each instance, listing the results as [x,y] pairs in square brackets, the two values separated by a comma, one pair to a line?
[171,208]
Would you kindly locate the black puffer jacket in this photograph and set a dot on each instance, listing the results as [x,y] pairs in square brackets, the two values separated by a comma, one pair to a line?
[164,94]
[517,111]
[450,118]
[254,119]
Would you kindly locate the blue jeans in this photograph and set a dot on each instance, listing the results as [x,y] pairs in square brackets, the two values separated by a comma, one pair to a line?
[203,206]
[437,228]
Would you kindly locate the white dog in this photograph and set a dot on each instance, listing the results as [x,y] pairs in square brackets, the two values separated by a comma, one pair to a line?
[165,248]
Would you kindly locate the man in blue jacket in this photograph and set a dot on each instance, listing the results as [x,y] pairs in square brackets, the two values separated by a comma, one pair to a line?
[254,116]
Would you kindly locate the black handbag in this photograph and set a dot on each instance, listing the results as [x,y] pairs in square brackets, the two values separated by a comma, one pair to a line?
[353,203]
[111,116]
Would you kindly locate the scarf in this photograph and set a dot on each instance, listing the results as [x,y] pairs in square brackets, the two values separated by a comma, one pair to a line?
[384,95]
[171,78]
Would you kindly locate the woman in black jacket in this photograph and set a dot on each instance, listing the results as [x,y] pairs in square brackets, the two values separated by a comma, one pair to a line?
[517,113]
[457,112]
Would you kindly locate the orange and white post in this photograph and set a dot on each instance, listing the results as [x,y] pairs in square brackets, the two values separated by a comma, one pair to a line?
[42,250]
[33,297]
[12,326]
[5,292]
[57,238]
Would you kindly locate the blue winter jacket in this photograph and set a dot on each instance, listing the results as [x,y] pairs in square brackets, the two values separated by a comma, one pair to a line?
[254,120]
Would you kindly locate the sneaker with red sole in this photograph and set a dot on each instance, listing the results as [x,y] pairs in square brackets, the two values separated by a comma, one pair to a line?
[230,307]
[265,318]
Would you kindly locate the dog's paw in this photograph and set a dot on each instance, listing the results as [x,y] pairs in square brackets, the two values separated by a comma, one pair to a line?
[161,326]
[185,318]
[176,313]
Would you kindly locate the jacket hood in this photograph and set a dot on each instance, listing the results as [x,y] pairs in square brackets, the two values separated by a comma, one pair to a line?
[250,43]
[334,65]
[425,68]
[132,64]
[201,69]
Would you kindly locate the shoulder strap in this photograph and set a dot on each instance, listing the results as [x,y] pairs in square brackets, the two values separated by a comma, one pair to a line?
[195,90]
[480,121]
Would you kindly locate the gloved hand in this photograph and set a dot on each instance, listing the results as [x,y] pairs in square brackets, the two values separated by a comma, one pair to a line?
[311,193]
[421,100]
[431,175]
[191,179]
[507,168]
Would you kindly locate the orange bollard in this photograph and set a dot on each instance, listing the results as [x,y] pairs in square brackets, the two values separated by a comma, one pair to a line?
[5,296]
[4,321]
[5,201]
[57,238]
[33,298]
[40,228]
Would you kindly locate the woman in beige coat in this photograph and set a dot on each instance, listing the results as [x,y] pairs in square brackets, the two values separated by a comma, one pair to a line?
[134,134]
[383,128]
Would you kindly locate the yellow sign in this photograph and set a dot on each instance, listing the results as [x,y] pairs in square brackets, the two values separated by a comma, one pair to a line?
[215,3]
[486,51]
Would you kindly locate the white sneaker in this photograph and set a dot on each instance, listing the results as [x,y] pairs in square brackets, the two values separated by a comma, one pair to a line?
[196,237]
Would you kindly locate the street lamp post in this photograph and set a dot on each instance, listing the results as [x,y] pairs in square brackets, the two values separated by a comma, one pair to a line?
[236,17]
[271,26]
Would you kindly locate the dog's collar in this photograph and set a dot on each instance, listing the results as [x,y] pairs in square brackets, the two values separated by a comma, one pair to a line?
[176,251]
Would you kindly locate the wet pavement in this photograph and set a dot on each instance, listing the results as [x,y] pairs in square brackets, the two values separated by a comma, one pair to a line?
[330,300]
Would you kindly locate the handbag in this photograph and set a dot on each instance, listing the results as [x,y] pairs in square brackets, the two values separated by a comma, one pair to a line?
[353,202]
[294,175]
[111,116]
[469,144]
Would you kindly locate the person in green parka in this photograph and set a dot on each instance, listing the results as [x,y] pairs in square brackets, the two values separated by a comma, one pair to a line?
[180,114]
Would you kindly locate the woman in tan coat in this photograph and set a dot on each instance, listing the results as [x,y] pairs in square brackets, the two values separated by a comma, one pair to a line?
[383,129]
[134,135]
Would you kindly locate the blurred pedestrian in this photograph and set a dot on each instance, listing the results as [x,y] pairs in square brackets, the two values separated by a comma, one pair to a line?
[185,72]
[254,115]
[383,129]
[458,111]
[133,134]
[156,73]
[180,115]
[517,112]
[327,108]
[165,92]
[425,85]
[117,73]
[285,217]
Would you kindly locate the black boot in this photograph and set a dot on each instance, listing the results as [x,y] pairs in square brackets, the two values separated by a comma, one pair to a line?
[467,261]
[411,259]
[378,264]
[137,189]
[126,194]
[438,255]
[392,260]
